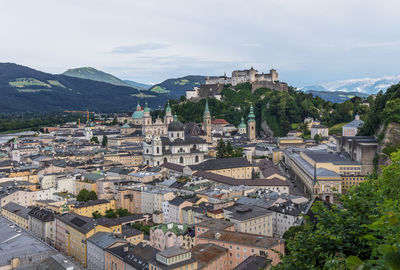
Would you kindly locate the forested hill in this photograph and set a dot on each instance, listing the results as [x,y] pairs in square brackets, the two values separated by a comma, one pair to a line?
[95,75]
[177,87]
[23,89]
[275,111]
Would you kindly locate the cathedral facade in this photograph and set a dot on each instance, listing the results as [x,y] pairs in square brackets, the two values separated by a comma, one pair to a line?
[174,146]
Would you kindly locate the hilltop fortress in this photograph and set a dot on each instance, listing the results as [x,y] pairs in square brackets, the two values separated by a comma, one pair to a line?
[214,85]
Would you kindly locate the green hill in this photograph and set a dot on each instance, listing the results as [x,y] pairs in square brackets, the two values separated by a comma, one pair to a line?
[177,87]
[23,89]
[95,75]
[138,85]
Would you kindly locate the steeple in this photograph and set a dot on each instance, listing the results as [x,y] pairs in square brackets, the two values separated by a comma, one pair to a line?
[138,107]
[168,109]
[251,114]
[251,124]
[146,107]
[206,109]
[175,118]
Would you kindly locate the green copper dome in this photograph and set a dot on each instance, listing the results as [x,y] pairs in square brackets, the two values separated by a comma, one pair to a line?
[168,109]
[137,115]
[242,124]
[146,107]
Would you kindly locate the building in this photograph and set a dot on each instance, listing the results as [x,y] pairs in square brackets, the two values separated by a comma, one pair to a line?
[17,214]
[243,245]
[19,249]
[173,258]
[351,129]
[242,127]
[210,256]
[173,210]
[152,199]
[321,130]
[238,167]
[251,125]
[258,80]
[251,219]
[88,208]
[72,232]
[132,235]
[171,235]
[42,224]
[254,262]
[96,246]
[286,215]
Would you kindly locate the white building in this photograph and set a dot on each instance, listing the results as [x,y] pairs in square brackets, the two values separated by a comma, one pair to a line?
[321,130]
[351,129]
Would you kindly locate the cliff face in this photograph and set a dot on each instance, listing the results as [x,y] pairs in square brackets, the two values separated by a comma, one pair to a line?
[390,136]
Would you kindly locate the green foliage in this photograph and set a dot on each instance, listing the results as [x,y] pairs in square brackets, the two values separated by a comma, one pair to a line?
[104,142]
[94,139]
[363,233]
[111,214]
[96,215]
[144,228]
[384,108]
[318,138]
[84,195]
[225,150]
[123,212]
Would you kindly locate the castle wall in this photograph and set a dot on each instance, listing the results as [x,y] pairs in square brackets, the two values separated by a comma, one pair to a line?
[268,84]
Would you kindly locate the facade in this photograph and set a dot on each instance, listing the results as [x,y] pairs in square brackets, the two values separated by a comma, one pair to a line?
[152,199]
[42,224]
[321,130]
[251,219]
[210,256]
[286,215]
[243,245]
[351,129]
[172,210]
[238,168]
[87,208]
[173,258]
[96,246]
[171,235]
[17,214]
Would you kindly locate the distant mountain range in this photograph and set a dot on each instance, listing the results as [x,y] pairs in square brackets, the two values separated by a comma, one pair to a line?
[95,75]
[336,96]
[138,85]
[23,89]
[365,85]
[177,87]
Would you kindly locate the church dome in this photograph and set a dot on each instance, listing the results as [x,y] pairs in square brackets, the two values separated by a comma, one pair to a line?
[242,124]
[137,115]
[176,125]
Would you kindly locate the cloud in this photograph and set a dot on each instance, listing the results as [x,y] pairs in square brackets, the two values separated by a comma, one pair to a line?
[138,48]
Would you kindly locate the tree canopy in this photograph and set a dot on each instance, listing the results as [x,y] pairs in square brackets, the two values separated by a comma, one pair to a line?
[84,195]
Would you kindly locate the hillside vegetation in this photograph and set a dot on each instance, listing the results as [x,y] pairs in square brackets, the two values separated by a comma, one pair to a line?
[279,110]
[95,75]
[23,89]
[177,87]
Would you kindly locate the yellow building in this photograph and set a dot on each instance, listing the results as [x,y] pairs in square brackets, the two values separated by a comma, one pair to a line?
[17,214]
[132,235]
[88,208]
[238,167]
[126,159]
[89,182]
[351,180]
[216,214]
[72,232]
[56,206]
[284,142]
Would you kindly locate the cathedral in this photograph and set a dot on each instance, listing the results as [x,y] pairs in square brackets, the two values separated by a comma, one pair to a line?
[171,144]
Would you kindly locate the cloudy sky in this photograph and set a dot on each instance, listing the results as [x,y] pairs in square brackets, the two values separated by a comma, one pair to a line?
[307,41]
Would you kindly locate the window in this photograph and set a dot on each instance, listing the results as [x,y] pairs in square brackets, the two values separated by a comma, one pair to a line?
[181,160]
[158,150]
[196,159]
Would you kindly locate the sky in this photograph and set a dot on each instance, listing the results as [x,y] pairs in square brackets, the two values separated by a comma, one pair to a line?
[306,41]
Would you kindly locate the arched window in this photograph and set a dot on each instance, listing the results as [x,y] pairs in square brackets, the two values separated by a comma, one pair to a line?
[177,134]
[196,159]
[158,163]
[158,150]
[147,162]
[194,147]
[147,150]
[181,160]
[172,134]
[165,160]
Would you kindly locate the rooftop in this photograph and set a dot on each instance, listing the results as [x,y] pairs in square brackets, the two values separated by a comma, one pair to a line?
[223,163]
[207,253]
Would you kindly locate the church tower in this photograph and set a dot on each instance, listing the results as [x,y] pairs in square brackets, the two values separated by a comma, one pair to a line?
[147,121]
[168,118]
[242,127]
[207,123]
[251,124]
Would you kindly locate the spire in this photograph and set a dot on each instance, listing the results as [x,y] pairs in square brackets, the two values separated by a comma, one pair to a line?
[206,110]
[168,109]
[138,107]
[251,114]
[175,118]
[146,107]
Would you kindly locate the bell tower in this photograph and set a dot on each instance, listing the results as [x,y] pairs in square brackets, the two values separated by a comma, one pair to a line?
[207,123]
[168,118]
[251,124]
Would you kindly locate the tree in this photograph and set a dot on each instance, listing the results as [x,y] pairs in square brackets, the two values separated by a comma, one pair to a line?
[83,195]
[221,149]
[111,214]
[104,142]
[92,196]
[94,139]
[123,212]
[114,121]
[318,138]
[96,215]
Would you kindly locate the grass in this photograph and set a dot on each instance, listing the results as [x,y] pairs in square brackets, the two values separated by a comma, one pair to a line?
[141,95]
[182,82]
[159,89]
[336,129]
[23,82]
[27,90]
[295,126]
[55,83]
[14,131]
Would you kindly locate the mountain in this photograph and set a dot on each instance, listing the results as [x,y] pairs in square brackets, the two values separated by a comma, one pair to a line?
[138,85]
[364,85]
[336,96]
[177,87]
[95,75]
[23,89]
